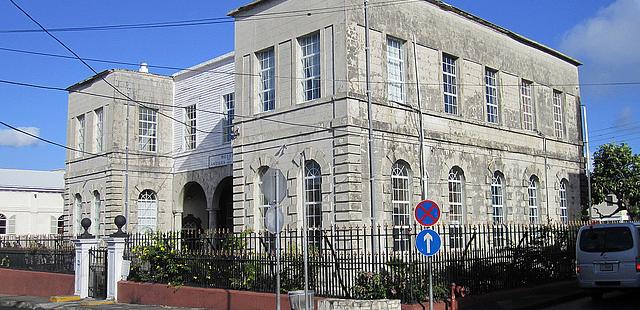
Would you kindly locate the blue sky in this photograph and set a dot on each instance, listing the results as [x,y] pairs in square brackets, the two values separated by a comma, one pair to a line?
[602,34]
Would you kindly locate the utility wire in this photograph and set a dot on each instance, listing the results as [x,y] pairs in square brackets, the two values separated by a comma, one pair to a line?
[47,140]
[215,112]
[165,105]
[212,20]
[92,69]
[214,71]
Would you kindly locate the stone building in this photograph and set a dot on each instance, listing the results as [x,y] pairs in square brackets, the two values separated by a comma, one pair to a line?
[179,158]
[500,116]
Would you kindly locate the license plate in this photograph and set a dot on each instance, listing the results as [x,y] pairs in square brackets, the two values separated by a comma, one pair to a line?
[606,267]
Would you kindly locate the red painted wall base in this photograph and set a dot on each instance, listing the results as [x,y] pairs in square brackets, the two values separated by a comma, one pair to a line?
[32,283]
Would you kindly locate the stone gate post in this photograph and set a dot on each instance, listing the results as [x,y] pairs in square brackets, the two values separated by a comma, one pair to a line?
[84,242]
[115,258]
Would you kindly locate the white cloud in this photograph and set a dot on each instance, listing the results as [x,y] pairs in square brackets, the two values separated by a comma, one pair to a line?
[608,43]
[610,37]
[10,137]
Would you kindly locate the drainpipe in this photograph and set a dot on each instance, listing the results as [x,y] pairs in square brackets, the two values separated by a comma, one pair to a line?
[372,169]
[126,172]
[546,175]
[588,156]
[423,168]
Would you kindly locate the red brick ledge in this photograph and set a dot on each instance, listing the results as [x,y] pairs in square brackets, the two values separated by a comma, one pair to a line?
[34,283]
[197,297]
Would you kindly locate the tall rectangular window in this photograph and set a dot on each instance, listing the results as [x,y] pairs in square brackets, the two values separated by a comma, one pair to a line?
[80,134]
[533,200]
[190,130]
[147,129]
[449,83]
[557,113]
[267,80]
[99,130]
[395,69]
[527,106]
[229,113]
[310,47]
[491,95]
[564,213]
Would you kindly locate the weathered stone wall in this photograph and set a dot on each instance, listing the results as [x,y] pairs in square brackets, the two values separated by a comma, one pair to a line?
[104,172]
[465,140]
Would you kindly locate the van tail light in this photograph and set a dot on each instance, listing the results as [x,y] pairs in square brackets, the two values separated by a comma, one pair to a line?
[578,267]
[637,264]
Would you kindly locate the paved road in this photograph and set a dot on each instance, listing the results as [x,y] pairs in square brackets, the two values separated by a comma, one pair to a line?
[629,300]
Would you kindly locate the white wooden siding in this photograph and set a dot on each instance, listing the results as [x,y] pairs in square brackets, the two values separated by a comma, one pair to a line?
[205,89]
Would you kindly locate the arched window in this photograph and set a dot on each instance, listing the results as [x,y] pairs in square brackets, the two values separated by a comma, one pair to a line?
[3,224]
[564,214]
[400,200]
[456,204]
[456,207]
[533,199]
[313,200]
[95,214]
[77,214]
[497,198]
[147,211]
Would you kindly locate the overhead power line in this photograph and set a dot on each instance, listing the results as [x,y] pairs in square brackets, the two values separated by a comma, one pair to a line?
[91,68]
[212,20]
[214,71]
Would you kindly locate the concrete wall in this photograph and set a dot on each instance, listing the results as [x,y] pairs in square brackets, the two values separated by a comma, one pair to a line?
[332,129]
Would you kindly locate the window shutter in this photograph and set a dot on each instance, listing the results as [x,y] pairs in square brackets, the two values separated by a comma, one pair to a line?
[11,225]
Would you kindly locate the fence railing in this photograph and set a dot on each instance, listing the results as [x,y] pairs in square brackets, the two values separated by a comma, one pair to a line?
[359,262]
[50,253]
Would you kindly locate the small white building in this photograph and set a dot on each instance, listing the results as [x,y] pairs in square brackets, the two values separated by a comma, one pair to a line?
[31,202]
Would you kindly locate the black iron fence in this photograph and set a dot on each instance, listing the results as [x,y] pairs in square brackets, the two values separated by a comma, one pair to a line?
[50,253]
[359,262]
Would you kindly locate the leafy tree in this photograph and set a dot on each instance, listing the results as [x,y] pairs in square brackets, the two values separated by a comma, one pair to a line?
[617,171]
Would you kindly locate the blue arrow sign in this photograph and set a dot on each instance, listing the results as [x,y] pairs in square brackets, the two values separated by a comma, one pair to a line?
[428,242]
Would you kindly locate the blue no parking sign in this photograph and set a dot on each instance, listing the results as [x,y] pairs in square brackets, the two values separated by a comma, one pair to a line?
[428,242]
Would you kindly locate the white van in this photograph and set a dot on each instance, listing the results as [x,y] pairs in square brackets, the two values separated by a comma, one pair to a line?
[608,256]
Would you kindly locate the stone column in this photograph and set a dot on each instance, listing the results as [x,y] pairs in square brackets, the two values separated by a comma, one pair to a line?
[82,265]
[115,257]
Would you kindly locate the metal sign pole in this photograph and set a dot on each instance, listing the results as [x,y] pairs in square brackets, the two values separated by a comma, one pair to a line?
[430,284]
[275,176]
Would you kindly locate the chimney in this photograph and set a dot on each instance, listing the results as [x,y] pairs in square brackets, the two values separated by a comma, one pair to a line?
[144,68]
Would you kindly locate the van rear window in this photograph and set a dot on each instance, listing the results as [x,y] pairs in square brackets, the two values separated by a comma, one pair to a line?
[606,239]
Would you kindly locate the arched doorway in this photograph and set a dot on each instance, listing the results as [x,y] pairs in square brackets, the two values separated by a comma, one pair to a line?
[194,208]
[223,204]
